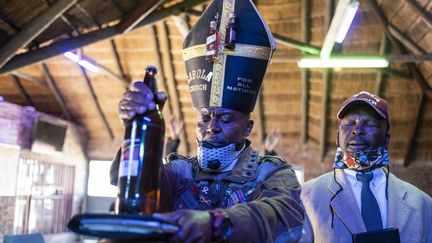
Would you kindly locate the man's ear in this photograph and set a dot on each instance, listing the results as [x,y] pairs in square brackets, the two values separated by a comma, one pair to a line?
[248,128]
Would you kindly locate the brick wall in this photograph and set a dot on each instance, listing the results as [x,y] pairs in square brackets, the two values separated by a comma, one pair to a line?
[16,127]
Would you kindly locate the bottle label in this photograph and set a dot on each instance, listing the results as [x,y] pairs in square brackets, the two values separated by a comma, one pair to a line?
[130,160]
[211,39]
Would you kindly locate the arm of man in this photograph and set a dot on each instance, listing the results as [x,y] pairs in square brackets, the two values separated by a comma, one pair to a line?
[274,213]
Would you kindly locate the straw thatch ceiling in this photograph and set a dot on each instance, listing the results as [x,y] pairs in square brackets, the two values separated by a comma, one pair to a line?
[122,37]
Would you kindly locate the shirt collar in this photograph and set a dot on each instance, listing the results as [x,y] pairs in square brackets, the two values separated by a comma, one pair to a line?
[378,175]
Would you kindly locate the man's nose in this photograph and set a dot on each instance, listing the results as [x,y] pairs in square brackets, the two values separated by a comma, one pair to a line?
[358,128]
[213,126]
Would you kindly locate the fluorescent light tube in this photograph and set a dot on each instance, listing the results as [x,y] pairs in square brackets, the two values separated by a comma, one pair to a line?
[84,63]
[72,56]
[87,65]
[343,62]
[339,26]
[346,21]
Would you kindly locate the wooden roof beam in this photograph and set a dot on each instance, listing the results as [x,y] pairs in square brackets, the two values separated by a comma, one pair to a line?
[28,77]
[60,47]
[181,24]
[13,29]
[381,76]
[170,76]
[385,26]
[305,35]
[36,26]
[119,66]
[425,15]
[123,79]
[408,156]
[310,49]
[193,12]
[109,73]
[161,71]
[117,6]
[327,78]
[138,13]
[96,101]
[408,43]
[56,92]
[17,83]
[87,15]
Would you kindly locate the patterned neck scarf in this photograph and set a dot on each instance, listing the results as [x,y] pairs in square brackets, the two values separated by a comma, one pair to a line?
[361,161]
[217,159]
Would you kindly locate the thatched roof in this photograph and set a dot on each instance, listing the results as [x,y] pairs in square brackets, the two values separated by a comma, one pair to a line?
[301,104]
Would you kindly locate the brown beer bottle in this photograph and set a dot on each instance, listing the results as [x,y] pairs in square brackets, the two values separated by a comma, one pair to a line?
[141,159]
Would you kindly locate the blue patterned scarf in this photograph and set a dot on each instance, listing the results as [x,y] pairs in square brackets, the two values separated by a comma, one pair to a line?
[361,161]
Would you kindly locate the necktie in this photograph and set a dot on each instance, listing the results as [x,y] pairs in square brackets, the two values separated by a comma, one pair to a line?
[369,206]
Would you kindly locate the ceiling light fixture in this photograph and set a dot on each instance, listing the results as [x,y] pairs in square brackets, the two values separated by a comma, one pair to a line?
[344,62]
[84,63]
[340,24]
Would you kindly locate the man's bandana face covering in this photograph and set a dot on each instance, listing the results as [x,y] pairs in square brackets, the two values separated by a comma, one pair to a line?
[362,160]
[217,159]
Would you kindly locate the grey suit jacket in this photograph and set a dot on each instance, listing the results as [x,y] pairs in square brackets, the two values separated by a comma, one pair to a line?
[332,214]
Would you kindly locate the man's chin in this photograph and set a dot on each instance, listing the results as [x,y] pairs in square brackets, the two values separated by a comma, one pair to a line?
[356,149]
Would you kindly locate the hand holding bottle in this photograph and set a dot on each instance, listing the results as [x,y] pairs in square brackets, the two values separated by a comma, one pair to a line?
[141,155]
[139,99]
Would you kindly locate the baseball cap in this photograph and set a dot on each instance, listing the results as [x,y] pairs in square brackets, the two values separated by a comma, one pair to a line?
[364,97]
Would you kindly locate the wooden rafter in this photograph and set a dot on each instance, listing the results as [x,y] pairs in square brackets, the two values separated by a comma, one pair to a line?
[37,26]
[60,47]
[118,63]
[425,15]
[117,6]
[326,83]
[193,12]
[64,19]
[28,77]
[381,75]
[326,91]
[384,25]
[17,83]
[172,86]
[87,15]
[407,157]
[55,91]
[407,42]
[122,78]
[13,28]
[138,13]
[109,73]
[305,35]
[158,63]
[398,73]
[310,49]
[417,76]
[181,24]
[96,101]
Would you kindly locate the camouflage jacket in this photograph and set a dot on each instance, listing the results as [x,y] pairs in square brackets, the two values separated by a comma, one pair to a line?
[261,195]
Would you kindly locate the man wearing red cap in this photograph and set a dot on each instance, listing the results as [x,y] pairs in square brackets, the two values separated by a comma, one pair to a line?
[228,191]
[361,199]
